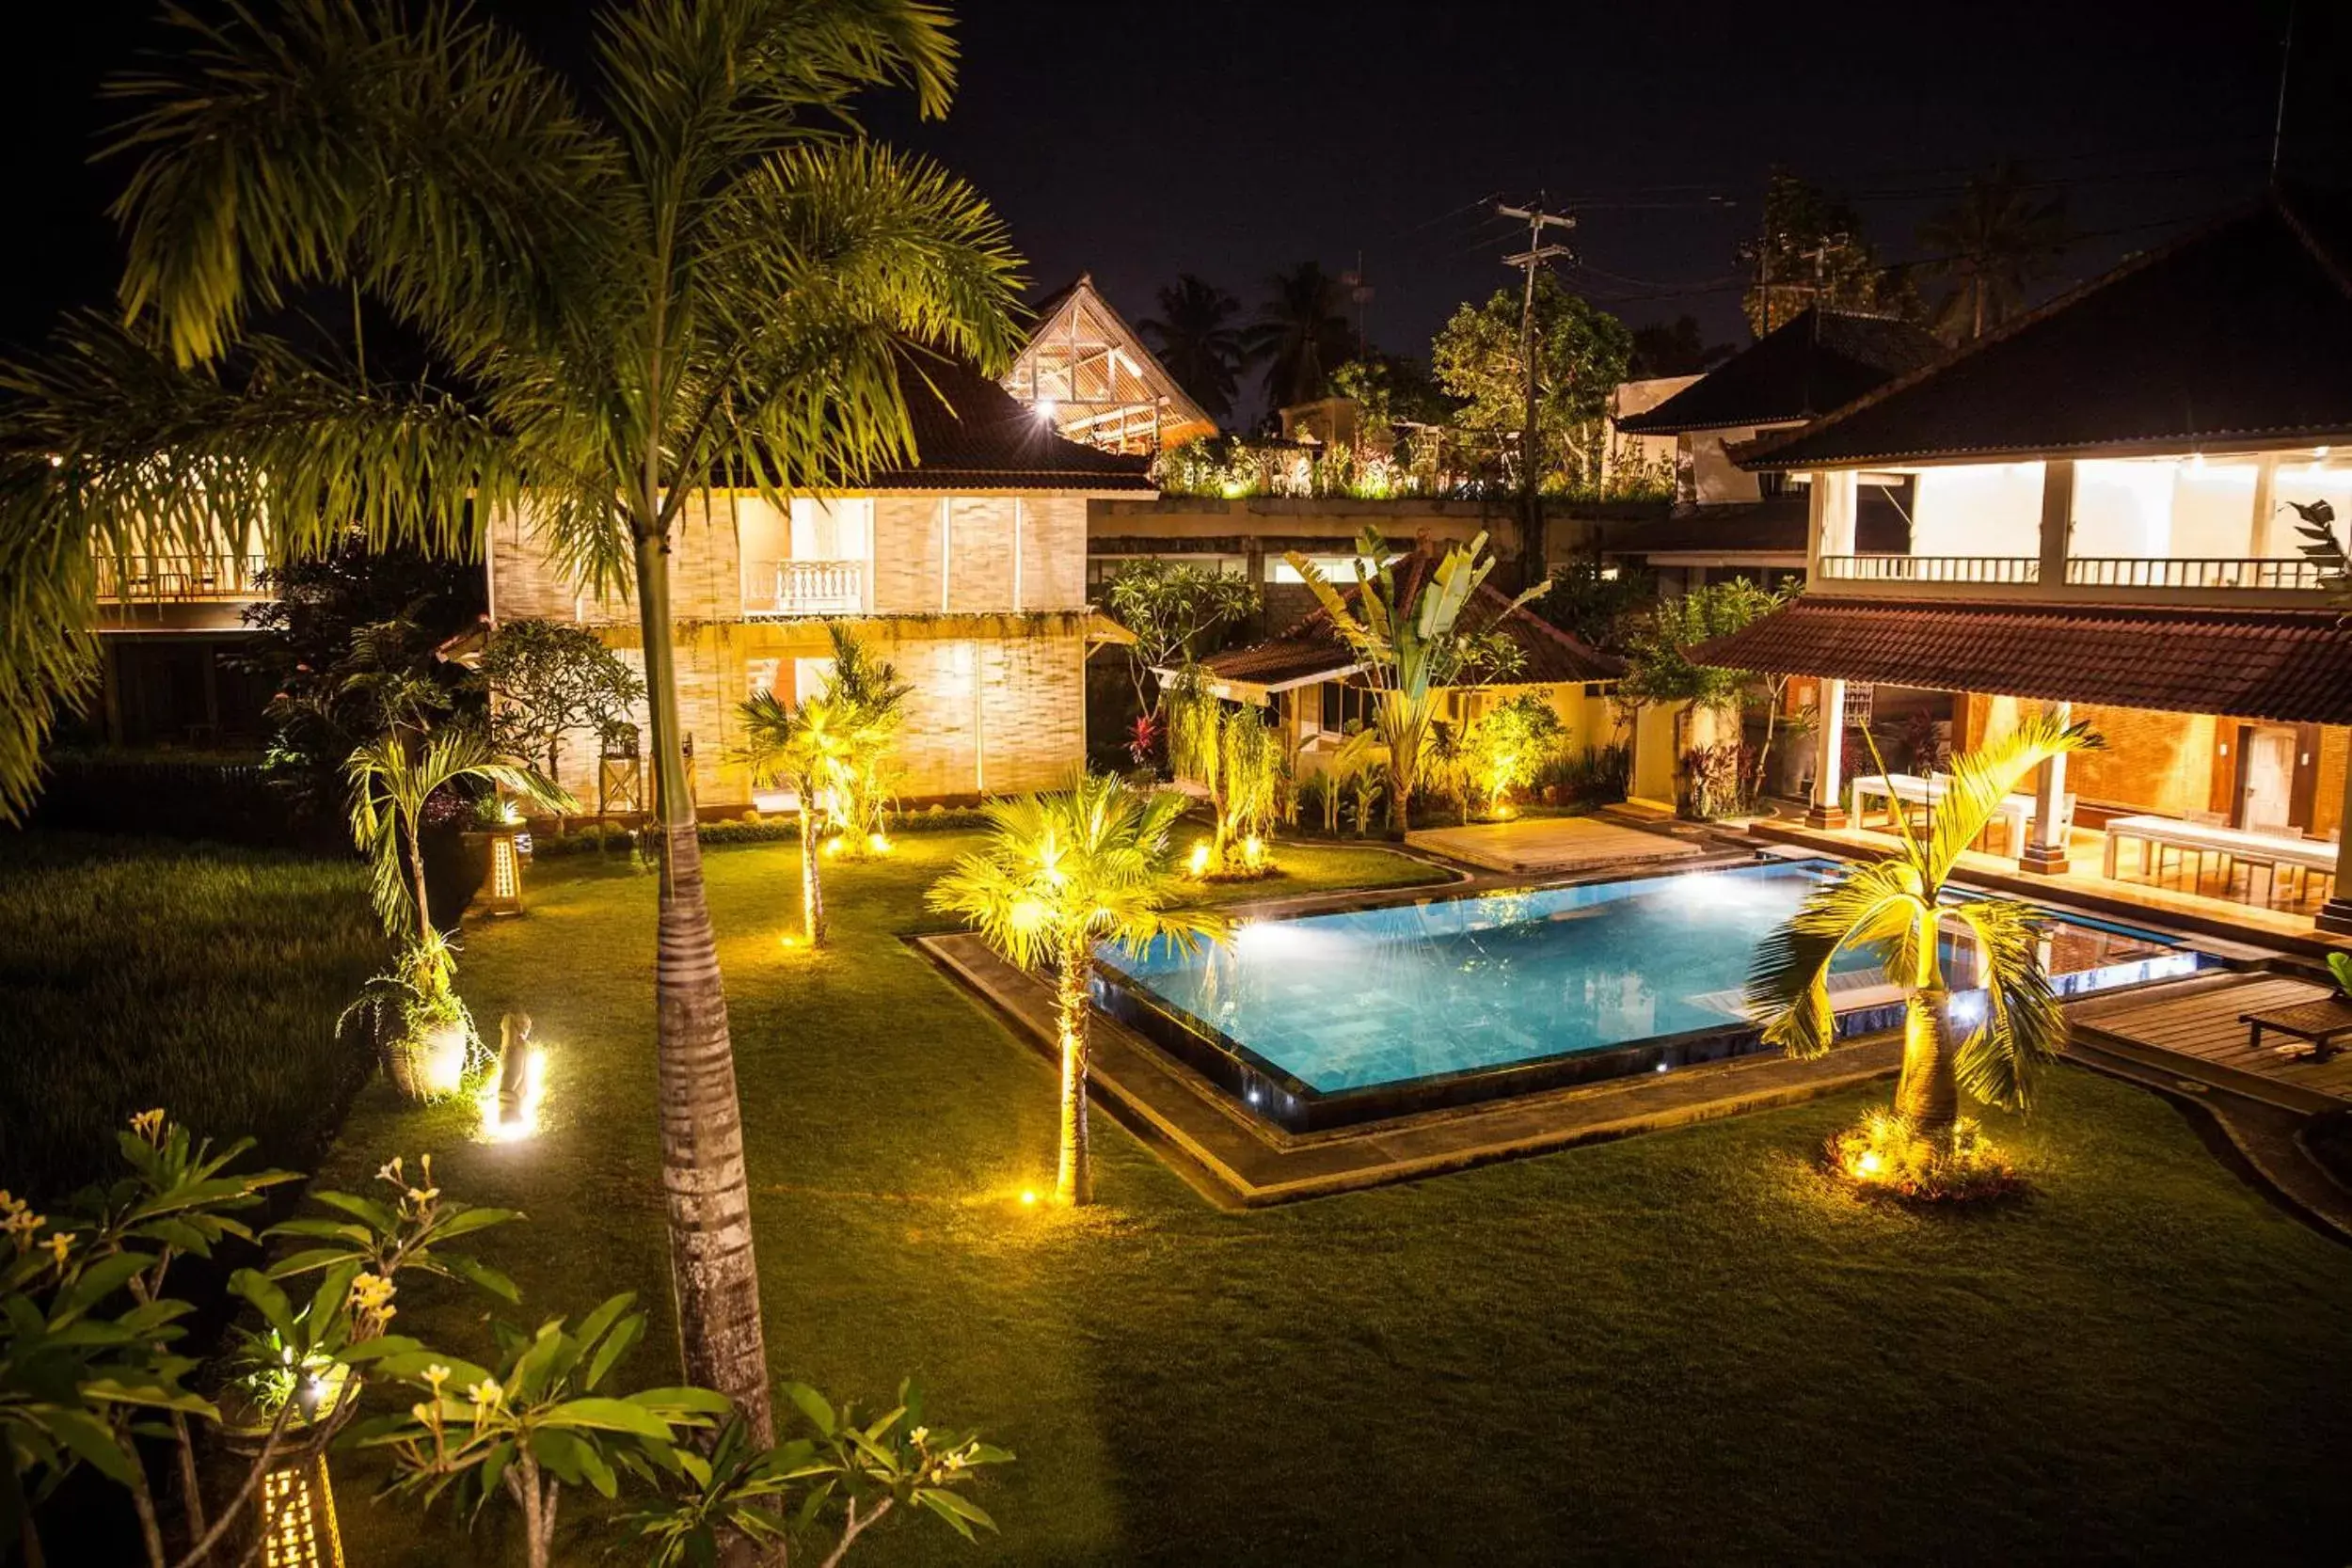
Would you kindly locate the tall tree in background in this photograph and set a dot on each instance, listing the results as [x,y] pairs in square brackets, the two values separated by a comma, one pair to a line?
[1581,355]
[710,279]
[1673,348]
[347,639]
[1810,252]
[1198,341]
[1301,334]
[1991,245]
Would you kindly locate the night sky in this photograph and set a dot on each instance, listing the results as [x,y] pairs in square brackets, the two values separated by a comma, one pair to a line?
[1138,141]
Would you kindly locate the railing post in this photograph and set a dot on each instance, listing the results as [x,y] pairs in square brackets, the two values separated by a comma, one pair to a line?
[2058,518]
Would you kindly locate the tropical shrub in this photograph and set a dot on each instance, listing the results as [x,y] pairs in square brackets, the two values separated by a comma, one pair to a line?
[92,1366]
[1507,748]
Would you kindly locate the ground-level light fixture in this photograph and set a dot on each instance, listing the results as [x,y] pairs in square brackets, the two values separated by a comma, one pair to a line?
[1198,862]
[298,1528]
[507,872]
[510,1100]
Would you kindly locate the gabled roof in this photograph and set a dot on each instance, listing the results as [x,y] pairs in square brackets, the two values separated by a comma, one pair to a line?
[1802,369]
[1313,651]
[2286,665]
[971,435]
[1107,387]
[2238,332]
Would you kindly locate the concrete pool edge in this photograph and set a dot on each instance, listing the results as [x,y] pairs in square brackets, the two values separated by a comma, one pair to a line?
[1253,1165]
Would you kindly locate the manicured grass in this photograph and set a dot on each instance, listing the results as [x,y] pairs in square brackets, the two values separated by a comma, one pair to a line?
[1685,1347]
[136,973]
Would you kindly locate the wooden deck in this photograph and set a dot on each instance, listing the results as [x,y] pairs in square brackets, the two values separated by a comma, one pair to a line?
[2192,1028]
[1551,846]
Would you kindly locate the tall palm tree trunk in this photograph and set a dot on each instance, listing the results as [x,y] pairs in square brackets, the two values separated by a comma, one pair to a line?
[1073,1180]
[812,880]
[1928,1094]
[414,833]
[708,1199]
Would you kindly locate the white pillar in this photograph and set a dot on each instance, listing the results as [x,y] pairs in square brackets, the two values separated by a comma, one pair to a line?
[2045,849]
[2335,916]
[1829,740]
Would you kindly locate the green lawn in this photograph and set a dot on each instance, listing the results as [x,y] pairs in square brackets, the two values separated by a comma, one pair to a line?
[1683,1347]
[136,973]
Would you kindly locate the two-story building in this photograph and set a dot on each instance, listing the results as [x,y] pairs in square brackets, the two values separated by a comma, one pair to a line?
[171,629]
[1729,521]
[967,572]
[2103,523]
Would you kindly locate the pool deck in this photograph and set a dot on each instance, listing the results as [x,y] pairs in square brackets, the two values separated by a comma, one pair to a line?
[1238,1161]
[2192,1028]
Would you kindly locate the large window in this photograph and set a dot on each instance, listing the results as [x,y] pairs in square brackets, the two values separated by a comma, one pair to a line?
[1979,509]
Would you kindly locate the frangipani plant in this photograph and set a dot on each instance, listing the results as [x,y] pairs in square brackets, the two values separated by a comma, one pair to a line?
[1062,872]
[1411,643]
[1985,1040]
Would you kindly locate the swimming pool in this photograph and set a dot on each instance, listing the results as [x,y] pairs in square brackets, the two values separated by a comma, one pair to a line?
[1327,1019]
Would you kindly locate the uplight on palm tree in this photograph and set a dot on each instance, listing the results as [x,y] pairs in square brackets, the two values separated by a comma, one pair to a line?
[709,278]
[1984,1039]
[1412,644]
[1064,872]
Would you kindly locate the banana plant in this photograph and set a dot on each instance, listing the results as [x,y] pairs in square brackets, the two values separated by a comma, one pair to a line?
[1411,643]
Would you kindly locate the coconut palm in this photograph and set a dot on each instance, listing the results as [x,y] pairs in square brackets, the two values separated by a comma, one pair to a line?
[1985,1039]
[1197,340]
[1994,243]
[1064,872]
[391,777]
[1411,642]
[708,280]
[805,746]
[1301,333]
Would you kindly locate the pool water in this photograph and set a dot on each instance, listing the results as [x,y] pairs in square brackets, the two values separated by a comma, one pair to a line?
[1331,1006]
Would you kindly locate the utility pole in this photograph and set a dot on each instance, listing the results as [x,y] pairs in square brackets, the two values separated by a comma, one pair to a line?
[1534,563]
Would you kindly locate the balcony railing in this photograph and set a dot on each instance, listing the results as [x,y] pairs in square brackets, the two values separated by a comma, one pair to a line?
[807,588]
[1932,568]
[180,578]
[2127,571]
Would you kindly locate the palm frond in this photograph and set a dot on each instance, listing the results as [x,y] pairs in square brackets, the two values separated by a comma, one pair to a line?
[2023,1025]
[1788,989]
[1983,777]
[422,154]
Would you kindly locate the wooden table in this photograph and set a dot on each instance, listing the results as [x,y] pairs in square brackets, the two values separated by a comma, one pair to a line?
[1900,790]
[2318,1025]
[2268,851]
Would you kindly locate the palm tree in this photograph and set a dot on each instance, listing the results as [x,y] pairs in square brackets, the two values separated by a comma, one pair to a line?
[1984,1041]
[707,280]
[873,702]
[1301,333]
[1998,240]
[1411,642]
[391,777]
[806,747]
[1062,873]
[1197,340]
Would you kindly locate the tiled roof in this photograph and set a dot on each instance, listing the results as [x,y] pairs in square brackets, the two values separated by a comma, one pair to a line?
[1311,649]
[970,433]
[1776,526]
[2292,666]
[2241,331]
[1807,367]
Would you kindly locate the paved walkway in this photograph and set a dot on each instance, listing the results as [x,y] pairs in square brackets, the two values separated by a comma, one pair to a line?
[1548,845]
